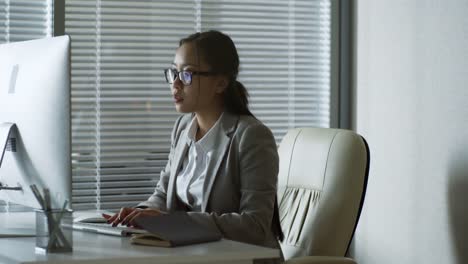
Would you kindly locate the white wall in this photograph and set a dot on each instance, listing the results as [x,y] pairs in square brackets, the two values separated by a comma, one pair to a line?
[411,103]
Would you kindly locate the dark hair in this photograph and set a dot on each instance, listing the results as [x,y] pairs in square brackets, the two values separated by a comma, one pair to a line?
[220,53]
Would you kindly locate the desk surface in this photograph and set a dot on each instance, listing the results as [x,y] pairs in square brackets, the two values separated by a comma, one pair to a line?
[95,248]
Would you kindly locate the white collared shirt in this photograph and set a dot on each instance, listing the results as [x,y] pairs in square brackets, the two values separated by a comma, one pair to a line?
[191,177]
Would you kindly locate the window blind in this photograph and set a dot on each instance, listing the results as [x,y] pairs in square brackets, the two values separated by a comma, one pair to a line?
[284,48]
[25,20]
[122,108]
[122,112]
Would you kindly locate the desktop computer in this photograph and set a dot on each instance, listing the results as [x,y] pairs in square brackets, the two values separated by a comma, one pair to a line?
[35,121]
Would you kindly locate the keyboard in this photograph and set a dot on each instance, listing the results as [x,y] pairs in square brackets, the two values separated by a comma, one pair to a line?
[107,229]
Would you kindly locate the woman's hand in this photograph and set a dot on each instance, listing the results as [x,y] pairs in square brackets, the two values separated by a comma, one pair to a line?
[127,216]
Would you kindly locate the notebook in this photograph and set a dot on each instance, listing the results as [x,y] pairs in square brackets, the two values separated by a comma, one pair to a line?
[172,230]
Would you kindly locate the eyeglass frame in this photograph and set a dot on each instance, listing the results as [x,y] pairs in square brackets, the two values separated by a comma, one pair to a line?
[178,74]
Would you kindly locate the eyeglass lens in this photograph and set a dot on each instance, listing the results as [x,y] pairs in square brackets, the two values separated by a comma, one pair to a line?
[184,76]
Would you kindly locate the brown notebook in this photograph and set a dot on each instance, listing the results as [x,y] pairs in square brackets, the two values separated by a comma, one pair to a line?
[172,230]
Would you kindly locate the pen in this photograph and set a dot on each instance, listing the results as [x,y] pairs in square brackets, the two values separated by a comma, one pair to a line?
[38,196]
[47,204]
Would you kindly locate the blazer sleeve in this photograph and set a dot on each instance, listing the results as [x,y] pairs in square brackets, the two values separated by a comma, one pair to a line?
[258,171]
[158,198]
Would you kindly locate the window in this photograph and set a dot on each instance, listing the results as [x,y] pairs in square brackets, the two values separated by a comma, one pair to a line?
[284,48]
[122,110]
[25,19]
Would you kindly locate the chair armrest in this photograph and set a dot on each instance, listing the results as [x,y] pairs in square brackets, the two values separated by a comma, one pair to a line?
[320,260]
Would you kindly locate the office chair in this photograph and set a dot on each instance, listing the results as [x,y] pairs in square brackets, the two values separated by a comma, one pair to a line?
[321,187]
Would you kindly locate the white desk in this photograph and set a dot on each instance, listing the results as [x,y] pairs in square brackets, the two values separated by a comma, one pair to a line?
[95,248]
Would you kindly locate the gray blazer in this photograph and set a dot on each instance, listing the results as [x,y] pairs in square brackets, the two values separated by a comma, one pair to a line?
[239,192]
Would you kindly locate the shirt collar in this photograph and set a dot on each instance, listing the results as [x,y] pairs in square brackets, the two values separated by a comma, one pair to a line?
[207,142]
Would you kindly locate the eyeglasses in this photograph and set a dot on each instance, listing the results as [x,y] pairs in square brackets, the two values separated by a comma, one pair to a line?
[184,76]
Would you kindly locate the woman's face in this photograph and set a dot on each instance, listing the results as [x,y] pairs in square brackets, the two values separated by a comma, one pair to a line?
[204,93]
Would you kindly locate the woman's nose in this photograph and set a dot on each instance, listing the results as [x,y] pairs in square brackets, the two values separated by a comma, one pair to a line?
[177,84]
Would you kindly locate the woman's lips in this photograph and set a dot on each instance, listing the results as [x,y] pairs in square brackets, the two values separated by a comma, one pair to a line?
[178,99]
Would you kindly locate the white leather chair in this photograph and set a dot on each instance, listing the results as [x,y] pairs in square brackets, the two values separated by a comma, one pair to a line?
[321,186]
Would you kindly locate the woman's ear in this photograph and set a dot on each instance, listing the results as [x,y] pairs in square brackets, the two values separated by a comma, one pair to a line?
[221,84]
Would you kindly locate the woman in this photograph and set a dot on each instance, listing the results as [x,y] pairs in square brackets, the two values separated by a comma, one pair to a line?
[223,162]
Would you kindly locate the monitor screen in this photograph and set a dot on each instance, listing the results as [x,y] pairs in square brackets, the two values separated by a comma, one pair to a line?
[35,97]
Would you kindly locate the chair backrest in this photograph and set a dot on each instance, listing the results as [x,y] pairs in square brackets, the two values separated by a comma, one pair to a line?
[321,186]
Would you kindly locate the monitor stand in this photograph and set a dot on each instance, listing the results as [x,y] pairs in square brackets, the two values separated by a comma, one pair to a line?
[5,139]
[7,142]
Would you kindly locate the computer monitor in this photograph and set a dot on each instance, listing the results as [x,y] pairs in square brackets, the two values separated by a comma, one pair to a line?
[35,116]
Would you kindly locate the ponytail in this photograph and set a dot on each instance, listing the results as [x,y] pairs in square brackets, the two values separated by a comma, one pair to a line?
[236,99]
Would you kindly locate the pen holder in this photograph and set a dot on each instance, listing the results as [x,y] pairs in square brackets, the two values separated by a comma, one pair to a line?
[54,231]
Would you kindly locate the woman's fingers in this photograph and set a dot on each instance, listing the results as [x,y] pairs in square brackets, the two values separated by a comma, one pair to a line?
[118,218]
[106,216]
[131,221]
[111,218]
[130,216]
[127,216]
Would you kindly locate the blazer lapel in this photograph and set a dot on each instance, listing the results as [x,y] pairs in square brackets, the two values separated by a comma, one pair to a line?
[228,124]
[180,153]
